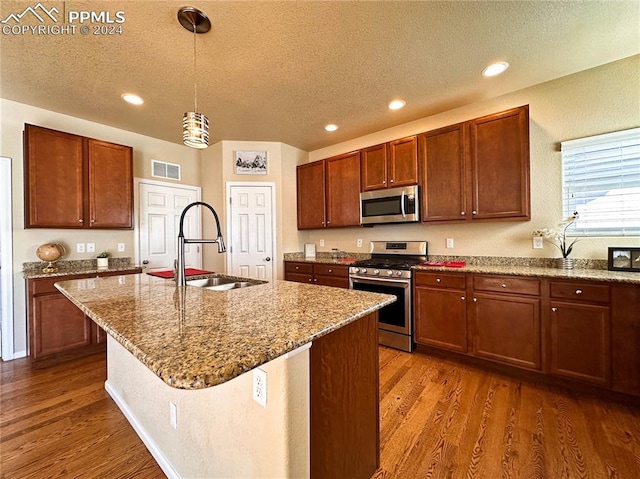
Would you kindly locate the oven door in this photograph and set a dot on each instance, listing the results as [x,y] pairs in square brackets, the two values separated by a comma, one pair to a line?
[395,317]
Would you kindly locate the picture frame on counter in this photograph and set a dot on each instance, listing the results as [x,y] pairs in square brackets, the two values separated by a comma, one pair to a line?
[250,162]
[624,259]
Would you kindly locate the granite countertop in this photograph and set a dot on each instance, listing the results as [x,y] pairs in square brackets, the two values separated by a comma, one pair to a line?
[194,338]
[65,268]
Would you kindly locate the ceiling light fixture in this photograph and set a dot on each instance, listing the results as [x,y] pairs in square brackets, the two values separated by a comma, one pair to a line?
[195,126]
[132,98]
[397,104]
[495,69]
[331,127]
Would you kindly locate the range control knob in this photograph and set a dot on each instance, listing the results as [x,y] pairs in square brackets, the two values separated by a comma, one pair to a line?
[389,272]
[355,270]
[398,273]
[363,270]
[376,271]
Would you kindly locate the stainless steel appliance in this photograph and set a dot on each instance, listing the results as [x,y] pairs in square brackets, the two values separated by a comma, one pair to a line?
[389,271]
[393,205]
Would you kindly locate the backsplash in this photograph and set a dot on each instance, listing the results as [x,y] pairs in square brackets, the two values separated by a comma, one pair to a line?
[76,265]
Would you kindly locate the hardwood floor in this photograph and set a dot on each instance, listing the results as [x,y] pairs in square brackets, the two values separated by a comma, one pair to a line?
[439,419]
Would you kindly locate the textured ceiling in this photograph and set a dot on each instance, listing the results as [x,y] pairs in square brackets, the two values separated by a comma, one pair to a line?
[280,71]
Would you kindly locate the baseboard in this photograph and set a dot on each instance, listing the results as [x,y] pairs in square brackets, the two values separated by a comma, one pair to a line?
[157,454]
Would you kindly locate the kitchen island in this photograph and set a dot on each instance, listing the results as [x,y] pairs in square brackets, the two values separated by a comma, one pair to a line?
[180,362]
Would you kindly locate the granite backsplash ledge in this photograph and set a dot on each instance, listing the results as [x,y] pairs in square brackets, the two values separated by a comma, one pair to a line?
[72,266]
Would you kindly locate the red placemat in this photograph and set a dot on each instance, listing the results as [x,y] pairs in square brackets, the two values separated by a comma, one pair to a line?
[169,273]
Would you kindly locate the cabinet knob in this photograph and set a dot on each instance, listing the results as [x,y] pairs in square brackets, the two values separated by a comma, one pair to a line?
[330,271]
[297,267]
[93,221]
[462,298]
[578,291]
[474,212]
[328,222]
[504,285]
[475,300]
[438,280]
[315,280]
[554,309]
[310,280]
[390,181]
[384,182]
[463,213]
[80,220]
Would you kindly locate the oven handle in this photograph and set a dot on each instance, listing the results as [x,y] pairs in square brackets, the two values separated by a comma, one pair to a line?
[380,280]
[404,214]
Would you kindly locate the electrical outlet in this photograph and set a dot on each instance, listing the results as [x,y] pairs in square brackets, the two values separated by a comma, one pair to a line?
[321,242]
[260,387]
[449,242]
[120,247]
[359,243]
[538,242]
[79,247]
[91,247]
[173,415]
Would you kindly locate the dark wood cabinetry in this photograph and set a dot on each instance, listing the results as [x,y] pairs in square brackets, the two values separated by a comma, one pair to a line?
[440,310]
[76,182]
[580,331]
[57,327]
[390,164]
[329,192]
[477,170]
[317,273]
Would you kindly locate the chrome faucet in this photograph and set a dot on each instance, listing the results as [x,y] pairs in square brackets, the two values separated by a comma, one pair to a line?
[181,278]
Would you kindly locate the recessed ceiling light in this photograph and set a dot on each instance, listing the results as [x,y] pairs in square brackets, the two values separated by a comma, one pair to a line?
[495,69]
[131,98]
[331,127]
[397,104]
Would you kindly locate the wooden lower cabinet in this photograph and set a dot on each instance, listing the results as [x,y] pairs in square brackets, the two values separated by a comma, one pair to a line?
[317,273]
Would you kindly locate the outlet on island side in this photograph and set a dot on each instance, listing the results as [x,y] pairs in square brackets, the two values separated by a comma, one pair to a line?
[260,387]
[173,415]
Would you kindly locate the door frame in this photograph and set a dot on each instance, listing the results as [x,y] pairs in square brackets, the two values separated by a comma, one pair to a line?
[249,184]
[136,209]
[6,273]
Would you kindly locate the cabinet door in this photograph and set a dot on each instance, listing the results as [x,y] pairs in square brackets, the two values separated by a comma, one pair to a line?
[443,166]
[110,185]
[373,166]
[581,341]
[441,319]
[507,329]
[311,195]
[343,190]
[402,167]
[57,326]
[54,178]
[499,157]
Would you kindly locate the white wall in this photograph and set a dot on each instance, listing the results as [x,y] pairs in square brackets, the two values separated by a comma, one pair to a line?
[13,116]
[592,102]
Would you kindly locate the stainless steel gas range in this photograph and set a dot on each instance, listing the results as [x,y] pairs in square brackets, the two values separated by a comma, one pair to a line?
[389,271]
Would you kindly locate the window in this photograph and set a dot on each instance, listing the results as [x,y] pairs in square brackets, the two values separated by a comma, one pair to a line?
[601,181]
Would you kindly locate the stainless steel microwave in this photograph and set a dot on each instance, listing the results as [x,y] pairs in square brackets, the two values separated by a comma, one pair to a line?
[393,205]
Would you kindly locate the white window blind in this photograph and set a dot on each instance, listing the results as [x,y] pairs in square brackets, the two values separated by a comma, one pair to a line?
[601,181]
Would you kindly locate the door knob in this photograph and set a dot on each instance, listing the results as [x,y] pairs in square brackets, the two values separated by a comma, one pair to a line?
[146,261]
[268,258]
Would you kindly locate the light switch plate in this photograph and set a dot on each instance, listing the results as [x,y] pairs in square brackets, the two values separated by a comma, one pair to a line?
[79,247]
[91,247]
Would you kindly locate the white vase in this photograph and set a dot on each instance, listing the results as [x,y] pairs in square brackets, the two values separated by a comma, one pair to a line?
[564,263]
[103,263]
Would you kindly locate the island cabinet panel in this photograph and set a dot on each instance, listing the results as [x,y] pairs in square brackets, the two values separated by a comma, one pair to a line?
[343,190]
[311,195]
[110,185]
[54,179]
[317,273]
[444,192]
[76,182]
[345,434]
[580,330]
[390,164]
[625,338]
[440,311]
[499,161]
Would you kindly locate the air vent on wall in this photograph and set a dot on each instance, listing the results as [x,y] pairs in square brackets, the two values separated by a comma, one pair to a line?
[161,169]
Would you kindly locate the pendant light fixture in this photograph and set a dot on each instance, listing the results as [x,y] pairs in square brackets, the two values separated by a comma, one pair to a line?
[195,126]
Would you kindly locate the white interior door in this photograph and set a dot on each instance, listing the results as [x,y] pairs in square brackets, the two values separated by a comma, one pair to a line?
[160,207]
[251,230]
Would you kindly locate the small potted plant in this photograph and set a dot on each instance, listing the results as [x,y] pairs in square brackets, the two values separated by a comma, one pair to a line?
[103,260]
[560,241]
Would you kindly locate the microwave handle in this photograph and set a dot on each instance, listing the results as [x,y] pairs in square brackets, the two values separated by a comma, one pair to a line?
[404,214]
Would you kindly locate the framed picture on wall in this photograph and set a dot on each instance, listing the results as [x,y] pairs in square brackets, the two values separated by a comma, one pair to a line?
[250,162]
[624,259]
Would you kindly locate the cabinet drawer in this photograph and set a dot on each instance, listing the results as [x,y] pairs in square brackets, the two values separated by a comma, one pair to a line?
[581,291]
[441,280]
[331,270]
[303,268]
[506,284]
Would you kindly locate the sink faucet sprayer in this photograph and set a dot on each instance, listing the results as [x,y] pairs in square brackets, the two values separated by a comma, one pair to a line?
[181,278]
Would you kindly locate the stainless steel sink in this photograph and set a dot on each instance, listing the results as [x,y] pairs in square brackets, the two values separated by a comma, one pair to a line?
[220,284]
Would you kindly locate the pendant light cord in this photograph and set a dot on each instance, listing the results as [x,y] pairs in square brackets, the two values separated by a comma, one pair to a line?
[195,72]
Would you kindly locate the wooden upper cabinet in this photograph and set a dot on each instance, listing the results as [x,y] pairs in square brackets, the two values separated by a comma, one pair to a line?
[499,161]
[343,190]
[390,164]
[110,185]
[373,167]
[310,180]
[443,174]
[76,182]
[54,179]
